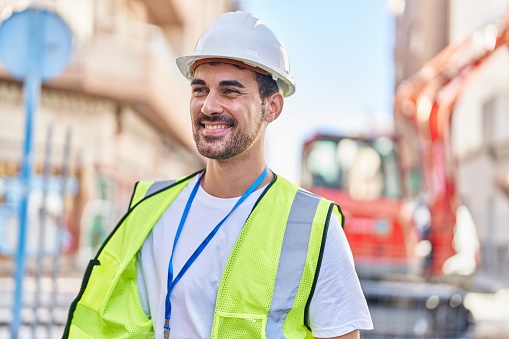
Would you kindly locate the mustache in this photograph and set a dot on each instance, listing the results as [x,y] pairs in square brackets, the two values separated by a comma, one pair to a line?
[216,119]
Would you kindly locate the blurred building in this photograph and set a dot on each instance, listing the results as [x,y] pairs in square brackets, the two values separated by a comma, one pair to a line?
[480,140]
[120,108]
[480,135]
[422,31]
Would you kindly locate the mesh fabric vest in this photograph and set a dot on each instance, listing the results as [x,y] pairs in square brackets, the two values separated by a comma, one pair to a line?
[271,272]
[250,303]
[107,305]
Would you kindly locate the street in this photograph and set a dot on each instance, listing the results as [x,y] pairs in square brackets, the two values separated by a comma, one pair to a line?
[490,310]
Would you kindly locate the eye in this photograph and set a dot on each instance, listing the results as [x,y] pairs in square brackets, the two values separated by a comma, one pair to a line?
[199,90]
[230,91]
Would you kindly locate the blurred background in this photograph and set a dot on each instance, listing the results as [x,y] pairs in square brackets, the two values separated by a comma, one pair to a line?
[400,116]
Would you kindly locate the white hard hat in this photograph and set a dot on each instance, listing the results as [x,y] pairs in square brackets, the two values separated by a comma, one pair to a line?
[242,37]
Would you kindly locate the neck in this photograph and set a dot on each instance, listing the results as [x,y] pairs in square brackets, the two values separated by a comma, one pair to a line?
[229,179]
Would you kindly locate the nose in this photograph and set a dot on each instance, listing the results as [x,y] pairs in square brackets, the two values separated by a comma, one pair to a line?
[212,104]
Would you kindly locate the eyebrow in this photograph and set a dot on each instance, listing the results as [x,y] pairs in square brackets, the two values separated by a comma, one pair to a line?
[197,82]
[223,83]
[234,83]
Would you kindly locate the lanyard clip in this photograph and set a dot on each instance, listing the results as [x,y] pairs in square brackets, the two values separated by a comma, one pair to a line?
[166,328]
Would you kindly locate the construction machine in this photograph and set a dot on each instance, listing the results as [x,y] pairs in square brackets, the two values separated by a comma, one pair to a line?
[413,240]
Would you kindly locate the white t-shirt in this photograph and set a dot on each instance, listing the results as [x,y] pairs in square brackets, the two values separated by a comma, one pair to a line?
[338,305]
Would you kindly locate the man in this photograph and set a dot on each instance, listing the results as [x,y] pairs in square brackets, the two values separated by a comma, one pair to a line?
[233,251]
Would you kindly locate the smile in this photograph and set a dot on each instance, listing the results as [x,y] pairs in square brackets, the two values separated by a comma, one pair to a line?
[216,126]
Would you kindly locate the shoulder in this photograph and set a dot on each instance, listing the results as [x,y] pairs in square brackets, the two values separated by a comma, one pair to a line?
[333,206]
[283,182]
[139,192]
[143,189]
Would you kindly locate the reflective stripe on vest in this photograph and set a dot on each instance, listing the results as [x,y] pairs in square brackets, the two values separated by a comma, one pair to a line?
[158,185]
[292,260]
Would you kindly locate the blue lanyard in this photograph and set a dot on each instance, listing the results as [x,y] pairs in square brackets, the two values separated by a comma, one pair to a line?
[173,281]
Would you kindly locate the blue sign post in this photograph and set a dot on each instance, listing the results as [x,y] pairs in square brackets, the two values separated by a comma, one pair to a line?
[35,45]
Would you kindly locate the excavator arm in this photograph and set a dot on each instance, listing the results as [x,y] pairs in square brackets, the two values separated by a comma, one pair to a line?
[425,103]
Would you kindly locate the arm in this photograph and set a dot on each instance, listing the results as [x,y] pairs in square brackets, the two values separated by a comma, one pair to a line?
[352,335]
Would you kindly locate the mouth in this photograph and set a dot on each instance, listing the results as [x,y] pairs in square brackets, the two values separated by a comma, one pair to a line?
[212,127]
[215,128]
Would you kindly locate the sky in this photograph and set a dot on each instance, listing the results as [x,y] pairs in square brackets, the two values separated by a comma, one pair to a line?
[341,57]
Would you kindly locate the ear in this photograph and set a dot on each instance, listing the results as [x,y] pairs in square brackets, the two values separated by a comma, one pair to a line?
[273,107]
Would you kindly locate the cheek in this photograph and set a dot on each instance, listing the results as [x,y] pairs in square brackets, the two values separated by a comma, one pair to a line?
[195,105]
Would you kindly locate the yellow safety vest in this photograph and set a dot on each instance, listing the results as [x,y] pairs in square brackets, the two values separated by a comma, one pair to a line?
[266,286]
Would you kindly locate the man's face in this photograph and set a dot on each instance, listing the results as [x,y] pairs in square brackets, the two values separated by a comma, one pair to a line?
[227,112]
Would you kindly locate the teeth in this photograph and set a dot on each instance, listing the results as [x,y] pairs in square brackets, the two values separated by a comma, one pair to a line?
[216,126]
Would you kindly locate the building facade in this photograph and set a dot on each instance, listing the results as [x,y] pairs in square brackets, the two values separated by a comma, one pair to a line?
[118,113]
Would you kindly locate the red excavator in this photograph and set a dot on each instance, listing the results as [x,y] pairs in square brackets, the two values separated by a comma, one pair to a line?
[409,231]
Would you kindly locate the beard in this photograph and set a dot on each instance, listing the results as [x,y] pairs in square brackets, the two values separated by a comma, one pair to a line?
[225,146]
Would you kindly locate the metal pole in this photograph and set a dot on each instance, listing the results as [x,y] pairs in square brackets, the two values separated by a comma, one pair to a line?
[43,214]
[32,89]
[32,92]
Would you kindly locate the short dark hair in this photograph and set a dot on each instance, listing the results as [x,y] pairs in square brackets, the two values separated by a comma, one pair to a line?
[266,85]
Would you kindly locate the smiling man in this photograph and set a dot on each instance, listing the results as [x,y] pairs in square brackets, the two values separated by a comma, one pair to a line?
[234,250]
